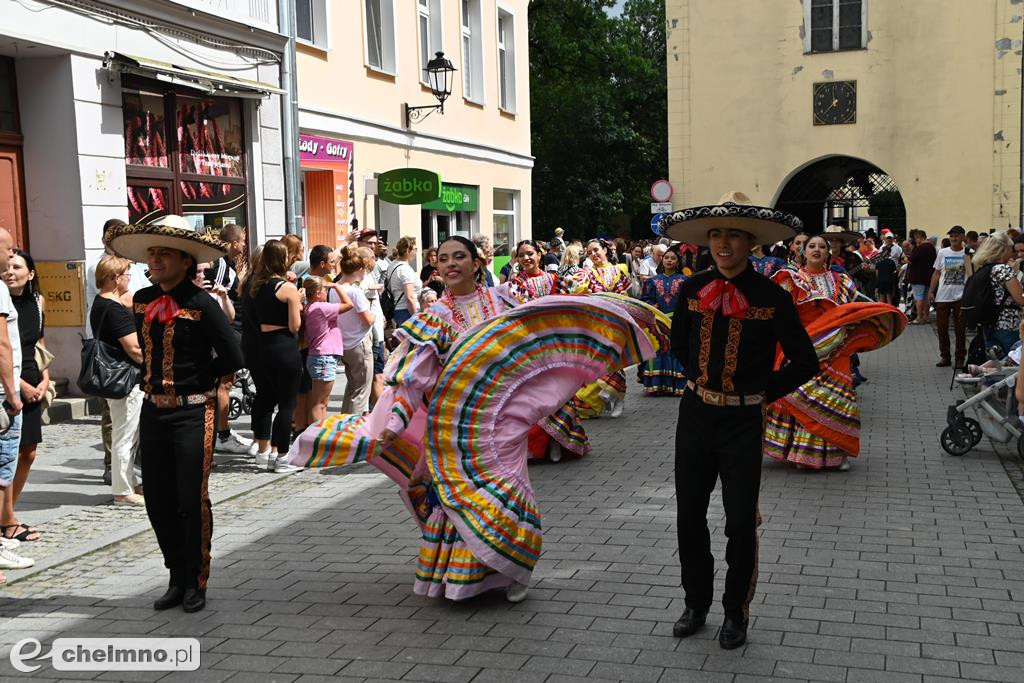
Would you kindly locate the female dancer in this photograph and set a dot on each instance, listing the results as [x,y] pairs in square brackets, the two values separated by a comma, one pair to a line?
[468,380]
[606,395]
[562,433]
[663,375]
[818,425]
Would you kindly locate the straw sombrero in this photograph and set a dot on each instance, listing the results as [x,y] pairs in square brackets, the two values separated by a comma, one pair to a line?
[735,211]
[838,232]
[134,241]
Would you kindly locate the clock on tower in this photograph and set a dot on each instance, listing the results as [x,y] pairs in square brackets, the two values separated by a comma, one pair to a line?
[835,102]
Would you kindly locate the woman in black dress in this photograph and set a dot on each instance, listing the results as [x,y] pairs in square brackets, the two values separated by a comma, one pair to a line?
[20,277]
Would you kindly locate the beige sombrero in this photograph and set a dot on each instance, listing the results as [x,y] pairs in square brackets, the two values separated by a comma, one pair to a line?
[134,241]
[734,210]
[838,232]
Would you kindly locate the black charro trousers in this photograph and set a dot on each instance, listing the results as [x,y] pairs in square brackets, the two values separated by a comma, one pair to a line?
[176,445]
[715,442]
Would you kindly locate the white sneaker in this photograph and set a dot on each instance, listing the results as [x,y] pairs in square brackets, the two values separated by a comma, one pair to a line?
[264,461]
[254,448]
[9,560]
[554,451]
[282,466]
[617,407]
[10,543]
[235,443]
[844,466]
[516,592]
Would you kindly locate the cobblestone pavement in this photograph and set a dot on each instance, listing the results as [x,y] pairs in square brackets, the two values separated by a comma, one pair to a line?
[68,502]
[907,568]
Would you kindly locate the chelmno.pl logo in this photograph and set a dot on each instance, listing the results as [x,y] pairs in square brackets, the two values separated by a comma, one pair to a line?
[109,654]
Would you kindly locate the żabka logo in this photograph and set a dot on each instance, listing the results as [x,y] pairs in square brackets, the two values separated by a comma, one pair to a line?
[409,186]
[109,654]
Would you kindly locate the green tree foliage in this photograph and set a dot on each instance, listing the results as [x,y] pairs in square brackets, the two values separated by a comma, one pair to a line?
[598,114]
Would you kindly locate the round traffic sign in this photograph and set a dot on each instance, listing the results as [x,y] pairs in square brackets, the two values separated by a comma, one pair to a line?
[655,222]
[661,190]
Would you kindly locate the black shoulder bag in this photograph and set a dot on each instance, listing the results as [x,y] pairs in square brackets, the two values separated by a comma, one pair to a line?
[106,371]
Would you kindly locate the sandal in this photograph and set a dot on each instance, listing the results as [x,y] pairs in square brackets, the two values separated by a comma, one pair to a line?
[23,535]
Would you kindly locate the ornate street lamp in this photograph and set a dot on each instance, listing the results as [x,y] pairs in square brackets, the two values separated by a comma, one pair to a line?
[439,76]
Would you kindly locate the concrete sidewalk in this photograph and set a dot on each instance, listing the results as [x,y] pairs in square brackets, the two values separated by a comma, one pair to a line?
[906,568]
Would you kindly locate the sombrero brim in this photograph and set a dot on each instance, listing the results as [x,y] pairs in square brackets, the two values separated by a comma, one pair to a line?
[766,225]
[846,236]
[134,242]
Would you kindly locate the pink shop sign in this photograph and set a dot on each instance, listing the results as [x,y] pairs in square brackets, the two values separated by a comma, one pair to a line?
[316,148]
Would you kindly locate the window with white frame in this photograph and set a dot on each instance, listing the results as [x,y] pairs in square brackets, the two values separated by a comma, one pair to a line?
[430,24]
[506,221]
[311,22]
[835,25]
[472,52]
[380,35]
[506,61]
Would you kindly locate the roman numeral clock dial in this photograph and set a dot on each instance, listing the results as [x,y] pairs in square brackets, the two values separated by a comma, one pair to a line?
[835,102]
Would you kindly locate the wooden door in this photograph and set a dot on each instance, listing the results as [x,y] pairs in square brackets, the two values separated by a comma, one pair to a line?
[12,200]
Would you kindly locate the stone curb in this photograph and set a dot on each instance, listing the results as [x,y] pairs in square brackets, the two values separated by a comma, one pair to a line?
[84,549]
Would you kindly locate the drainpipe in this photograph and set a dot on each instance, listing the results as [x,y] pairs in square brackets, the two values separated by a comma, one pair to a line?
[290,119]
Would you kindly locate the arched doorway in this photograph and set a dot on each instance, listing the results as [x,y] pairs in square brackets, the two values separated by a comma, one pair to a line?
[843,190]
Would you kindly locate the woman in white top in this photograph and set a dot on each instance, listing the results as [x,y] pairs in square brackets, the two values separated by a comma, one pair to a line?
[402,280]
[356,331]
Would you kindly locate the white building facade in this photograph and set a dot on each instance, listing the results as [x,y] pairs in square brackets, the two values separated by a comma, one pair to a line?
[132,110]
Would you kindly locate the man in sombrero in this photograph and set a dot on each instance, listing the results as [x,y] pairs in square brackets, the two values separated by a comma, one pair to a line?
[187,344]
[725,331]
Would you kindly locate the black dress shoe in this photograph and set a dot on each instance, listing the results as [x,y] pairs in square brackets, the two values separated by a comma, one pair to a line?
[195,600]
[689,623]
[944,363]
[732,635]
[172,598]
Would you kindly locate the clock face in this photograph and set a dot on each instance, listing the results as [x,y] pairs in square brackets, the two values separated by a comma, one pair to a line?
[835,102]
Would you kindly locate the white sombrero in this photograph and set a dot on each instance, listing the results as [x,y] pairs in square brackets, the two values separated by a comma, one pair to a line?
[134,241]
[734,211]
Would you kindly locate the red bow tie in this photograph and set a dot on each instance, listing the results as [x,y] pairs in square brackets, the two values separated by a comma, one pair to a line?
[722,295]
[688,248]
[163,309]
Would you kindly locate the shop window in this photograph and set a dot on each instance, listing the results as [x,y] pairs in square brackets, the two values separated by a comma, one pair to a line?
[430,25]
[184,154]
[380,35]
[311,22]
[835,25]
[506,61]
[506,220]
[209,136]
[472,52]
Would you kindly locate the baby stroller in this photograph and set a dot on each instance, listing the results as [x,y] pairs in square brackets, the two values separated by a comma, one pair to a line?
[242,394]
[991,399]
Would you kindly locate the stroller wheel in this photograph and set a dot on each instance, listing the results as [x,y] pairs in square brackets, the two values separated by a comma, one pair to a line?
[956,440]
[234,408]
[975,428]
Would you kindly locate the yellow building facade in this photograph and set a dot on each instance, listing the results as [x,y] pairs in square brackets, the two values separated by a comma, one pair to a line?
[832,108]
[360,62]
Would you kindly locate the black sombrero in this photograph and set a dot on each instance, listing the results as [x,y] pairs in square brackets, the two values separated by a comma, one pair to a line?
[735,211]
[134,241]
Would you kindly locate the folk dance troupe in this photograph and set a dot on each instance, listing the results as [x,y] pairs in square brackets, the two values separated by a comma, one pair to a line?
[486,378]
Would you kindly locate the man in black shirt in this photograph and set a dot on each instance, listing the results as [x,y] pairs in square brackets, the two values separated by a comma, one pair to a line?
[227,272]
[725,331]
[187,345]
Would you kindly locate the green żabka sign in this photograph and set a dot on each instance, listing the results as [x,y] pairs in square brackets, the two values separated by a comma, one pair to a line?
[409,186]
[455,198]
